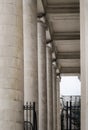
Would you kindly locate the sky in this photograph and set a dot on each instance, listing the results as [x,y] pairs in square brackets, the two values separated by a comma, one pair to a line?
[70,85]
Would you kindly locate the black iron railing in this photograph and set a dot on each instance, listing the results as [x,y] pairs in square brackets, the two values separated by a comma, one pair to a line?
[70,114]
[30,119]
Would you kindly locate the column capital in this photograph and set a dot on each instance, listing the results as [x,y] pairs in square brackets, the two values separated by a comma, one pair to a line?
[49,45]
[49,41]
[54,64]
[41,15]
[53,57]
[58,77]
[42,21]
[58,74]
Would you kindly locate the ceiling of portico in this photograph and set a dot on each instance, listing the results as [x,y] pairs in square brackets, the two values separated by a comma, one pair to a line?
[64,22]
[64,30]
[67,45]
[61,1]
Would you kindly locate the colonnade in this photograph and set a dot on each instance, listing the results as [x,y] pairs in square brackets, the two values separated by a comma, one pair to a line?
[26,69]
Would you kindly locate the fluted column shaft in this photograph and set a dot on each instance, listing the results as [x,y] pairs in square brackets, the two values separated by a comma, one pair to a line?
[42,76]
[11,65]
[58,103]
[30,51]
[54,97]
[49,88]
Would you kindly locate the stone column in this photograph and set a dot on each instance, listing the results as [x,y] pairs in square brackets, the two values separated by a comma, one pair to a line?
[42,89]
[11,65]
[58,103]
[49,87]
[84,62]
[30,51]
[54,95]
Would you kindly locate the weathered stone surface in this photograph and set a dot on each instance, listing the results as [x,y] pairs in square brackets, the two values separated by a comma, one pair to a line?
[42,76]
[49,88]
[30,51]
[58,102]
[54,96]
[11,65]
